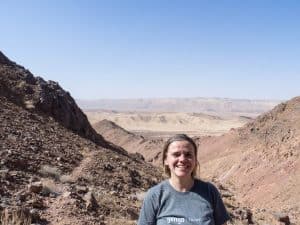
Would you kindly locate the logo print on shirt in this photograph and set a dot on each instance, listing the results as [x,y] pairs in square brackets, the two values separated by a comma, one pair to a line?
[176,220]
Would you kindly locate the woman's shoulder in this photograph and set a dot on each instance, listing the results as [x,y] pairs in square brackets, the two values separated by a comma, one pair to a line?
[203,182]
[158,189]
[209,186]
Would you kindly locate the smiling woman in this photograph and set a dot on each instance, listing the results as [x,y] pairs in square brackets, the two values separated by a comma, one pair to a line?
[182,199]
[180,153]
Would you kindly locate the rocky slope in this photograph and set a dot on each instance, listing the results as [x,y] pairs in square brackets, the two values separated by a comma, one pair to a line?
[260,160]
[54,171]
[18,85]
[258,163]
[149,148]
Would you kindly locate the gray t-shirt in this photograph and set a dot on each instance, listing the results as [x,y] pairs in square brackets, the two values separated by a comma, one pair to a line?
[202,205]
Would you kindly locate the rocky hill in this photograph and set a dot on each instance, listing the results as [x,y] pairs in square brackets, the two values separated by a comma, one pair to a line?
[258,163]
[261,160]
[18,85]
[148,147]
[54,168]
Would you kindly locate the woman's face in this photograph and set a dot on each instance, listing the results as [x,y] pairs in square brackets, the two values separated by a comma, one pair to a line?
[181,159]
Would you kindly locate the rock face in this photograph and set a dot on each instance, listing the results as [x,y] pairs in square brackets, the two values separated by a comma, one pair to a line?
[35,94]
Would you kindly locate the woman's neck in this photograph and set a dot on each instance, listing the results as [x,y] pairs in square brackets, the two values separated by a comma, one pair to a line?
[182,184]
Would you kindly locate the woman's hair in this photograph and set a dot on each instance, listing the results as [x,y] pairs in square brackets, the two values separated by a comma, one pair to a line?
[179,137]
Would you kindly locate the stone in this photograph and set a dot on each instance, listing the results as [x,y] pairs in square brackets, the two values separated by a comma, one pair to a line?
[81,189]
[132,213]
[284,218]
[35,187]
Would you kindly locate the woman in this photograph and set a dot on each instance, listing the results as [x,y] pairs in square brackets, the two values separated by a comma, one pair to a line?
[182,199]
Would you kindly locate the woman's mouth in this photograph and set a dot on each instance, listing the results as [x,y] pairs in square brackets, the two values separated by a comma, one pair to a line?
[182,166]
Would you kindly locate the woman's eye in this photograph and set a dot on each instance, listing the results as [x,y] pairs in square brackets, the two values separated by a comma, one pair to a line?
[188,155]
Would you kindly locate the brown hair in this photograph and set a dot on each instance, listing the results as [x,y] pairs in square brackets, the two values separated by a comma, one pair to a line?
[179,137]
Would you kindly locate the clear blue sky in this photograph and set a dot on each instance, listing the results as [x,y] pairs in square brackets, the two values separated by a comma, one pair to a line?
[158,48]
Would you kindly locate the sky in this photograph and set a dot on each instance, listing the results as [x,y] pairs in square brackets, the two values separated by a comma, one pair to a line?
[158,48]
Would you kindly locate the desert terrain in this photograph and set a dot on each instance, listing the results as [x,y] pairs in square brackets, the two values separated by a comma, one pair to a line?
[258,161]
[256,158]
[160,124]
[58,168]
[163,117]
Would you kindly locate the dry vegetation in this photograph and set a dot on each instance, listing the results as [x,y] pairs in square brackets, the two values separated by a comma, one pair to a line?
[20,216]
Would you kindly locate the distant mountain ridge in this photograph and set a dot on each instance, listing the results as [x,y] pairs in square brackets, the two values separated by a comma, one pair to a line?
[212,106]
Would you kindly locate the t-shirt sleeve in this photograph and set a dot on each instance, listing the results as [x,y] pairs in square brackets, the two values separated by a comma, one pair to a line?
[149,209]
[220,212]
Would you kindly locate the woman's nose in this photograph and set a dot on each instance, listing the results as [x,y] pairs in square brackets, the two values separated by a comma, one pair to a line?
[182,157]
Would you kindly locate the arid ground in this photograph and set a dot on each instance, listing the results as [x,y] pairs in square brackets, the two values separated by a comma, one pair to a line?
[158,124]
[256,158]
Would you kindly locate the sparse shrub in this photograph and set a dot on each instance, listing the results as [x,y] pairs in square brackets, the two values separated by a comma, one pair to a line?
[20,216]
[50,187]
[50,171]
